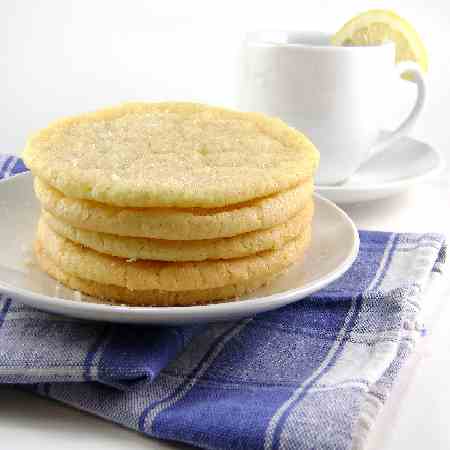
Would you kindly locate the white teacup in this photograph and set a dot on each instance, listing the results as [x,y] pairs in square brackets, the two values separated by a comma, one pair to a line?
[335,95]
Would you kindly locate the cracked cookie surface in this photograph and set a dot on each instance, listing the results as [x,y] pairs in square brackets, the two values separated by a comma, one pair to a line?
[170,155]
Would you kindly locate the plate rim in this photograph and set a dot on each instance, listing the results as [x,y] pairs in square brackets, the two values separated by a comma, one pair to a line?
[199,311]
[396,184]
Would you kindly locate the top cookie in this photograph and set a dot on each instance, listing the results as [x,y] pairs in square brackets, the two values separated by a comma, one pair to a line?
[170,155]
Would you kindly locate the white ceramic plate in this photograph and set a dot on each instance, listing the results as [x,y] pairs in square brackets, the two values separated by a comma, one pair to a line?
[334,247]
[406,163]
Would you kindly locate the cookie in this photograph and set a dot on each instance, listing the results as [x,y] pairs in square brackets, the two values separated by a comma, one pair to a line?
[168,276]
[174,223]
[164,250]
[110,294]
[170,155]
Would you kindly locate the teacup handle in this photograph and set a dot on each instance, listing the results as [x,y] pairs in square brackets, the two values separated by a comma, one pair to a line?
[415,72]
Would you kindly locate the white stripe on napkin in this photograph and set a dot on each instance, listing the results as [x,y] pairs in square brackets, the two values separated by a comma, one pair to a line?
[171,401]
[268,444]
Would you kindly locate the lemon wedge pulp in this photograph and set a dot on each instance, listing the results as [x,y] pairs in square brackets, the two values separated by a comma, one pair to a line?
[377,26]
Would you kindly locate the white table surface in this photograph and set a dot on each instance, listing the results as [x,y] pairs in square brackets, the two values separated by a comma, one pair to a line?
[415,417]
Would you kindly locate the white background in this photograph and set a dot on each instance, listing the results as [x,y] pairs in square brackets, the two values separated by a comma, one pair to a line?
[63,57]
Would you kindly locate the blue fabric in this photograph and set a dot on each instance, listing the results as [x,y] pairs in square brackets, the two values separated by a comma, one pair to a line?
[310,375]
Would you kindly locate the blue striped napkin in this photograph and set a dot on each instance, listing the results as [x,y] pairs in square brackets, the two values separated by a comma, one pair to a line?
[310,375]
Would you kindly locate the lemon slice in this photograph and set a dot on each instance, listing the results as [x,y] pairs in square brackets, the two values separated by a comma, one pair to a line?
[377,26]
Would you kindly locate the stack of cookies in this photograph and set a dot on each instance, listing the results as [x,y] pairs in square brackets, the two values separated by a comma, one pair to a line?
[171,203]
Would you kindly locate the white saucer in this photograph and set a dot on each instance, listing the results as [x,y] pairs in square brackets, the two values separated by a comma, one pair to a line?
[334,247]
[391,172]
